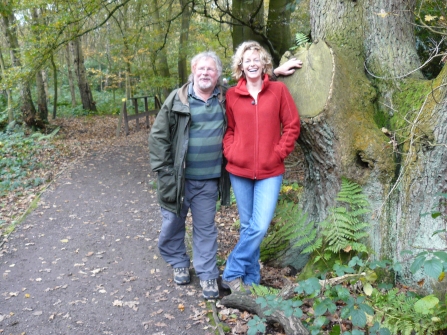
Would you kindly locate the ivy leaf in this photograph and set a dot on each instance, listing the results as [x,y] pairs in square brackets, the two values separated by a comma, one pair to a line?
[320,308]
[310,286]
[367,309]
[433,267]
[417,264]
[358,317]
[320,321]
[441,255]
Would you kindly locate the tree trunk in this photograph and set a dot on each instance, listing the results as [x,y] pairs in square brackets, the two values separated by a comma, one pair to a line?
[278,27]
[291,324]
[45,85]
[84,87]
[42,107]
[8,91]
[161,60]
[341,133]
[53,65]
[26,101]
[70,76]
[183,68]
[247,13]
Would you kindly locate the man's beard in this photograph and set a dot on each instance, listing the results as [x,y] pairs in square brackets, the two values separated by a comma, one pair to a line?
[203,85]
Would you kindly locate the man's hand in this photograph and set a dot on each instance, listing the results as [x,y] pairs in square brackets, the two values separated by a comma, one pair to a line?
[288,67]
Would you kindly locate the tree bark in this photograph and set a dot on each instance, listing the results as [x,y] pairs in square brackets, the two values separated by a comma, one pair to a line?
[341,133]
[70,76]
[247,13]
[26,102]
[278,27]
[161,60]
[8,91]
[84,87]
[42,107]
[292,325]
[53,65]
[183,69]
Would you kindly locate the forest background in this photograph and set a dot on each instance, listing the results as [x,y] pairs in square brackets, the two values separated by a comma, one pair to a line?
[371,95]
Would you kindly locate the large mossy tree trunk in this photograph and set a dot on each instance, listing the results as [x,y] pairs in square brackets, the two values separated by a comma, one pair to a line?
[343,108]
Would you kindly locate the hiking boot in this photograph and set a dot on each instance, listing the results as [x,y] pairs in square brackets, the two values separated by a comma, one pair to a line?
[234,285]
[181,276]
[210,289]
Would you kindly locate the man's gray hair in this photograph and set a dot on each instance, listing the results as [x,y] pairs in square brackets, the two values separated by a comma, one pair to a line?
[206,54]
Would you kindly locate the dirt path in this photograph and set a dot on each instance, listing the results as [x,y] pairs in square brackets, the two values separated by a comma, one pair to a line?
[86,261]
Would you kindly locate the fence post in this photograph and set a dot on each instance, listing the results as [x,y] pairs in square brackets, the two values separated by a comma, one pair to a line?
[120,117]
[135,103]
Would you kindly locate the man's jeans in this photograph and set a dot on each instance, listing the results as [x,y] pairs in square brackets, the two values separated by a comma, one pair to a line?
[201,197]
[256,202]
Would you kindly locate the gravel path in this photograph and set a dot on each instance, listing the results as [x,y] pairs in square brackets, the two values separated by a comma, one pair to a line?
[86,261]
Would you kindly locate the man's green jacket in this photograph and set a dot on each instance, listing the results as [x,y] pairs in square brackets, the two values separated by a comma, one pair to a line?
[168,145]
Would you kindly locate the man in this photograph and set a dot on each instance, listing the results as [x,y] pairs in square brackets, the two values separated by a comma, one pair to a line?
[186,150]
[185,146]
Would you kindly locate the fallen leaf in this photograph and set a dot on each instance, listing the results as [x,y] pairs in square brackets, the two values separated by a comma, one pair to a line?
[118,303]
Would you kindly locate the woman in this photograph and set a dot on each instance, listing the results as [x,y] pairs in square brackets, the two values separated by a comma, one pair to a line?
[263,125]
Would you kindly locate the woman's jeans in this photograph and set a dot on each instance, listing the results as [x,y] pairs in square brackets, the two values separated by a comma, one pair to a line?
[256,202]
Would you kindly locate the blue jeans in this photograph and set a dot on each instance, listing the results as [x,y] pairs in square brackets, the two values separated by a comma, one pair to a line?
[256,202]
[201,198]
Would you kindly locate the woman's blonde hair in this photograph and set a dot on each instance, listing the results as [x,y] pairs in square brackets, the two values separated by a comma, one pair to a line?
[266,59]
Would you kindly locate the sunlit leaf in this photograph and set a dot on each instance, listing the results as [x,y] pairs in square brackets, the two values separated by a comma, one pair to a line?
[426,304]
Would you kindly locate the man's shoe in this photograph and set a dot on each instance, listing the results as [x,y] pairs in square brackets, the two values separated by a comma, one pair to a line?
[210,289]
[235,285]
[181,276]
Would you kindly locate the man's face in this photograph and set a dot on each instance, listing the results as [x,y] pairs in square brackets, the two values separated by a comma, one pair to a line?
[205,74]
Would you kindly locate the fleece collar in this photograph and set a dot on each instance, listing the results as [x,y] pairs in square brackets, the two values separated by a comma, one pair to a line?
[241,87]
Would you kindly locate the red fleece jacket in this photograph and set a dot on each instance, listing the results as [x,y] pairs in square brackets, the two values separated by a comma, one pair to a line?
[260,136]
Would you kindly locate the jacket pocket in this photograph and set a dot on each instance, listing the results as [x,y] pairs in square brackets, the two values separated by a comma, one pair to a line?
[167,184]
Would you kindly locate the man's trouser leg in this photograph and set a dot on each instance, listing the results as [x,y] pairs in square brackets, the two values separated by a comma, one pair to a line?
[201,197]
[171,241]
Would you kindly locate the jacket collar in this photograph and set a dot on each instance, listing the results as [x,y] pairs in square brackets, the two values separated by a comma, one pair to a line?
[184,91]
[241,87]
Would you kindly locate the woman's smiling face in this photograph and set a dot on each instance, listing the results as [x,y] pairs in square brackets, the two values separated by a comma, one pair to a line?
[252,65]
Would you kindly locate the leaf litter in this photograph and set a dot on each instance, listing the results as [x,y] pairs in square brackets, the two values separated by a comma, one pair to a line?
[77,137]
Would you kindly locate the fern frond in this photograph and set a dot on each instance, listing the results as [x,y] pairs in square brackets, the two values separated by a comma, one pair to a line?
[344,226]
[290,225]
[262,291]
[317,244]
[301,39]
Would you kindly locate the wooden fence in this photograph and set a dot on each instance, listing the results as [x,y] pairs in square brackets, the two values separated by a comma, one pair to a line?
[137,115]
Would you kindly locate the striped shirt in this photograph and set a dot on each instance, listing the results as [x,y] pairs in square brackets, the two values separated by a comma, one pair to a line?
[204,157]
